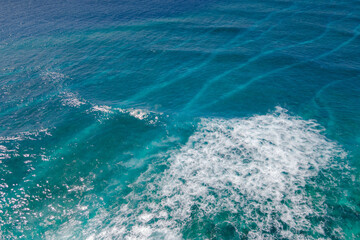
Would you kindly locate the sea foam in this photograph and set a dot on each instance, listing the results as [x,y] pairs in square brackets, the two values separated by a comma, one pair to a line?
[253,170]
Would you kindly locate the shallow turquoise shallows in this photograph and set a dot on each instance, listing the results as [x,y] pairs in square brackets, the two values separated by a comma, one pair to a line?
[164,119]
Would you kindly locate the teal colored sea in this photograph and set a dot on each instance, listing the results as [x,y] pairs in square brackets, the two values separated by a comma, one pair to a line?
[164,119]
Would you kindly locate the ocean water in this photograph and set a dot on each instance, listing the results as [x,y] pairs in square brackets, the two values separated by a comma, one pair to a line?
[179,119]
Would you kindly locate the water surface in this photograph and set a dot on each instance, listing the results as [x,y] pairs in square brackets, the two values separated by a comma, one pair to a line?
[179,119]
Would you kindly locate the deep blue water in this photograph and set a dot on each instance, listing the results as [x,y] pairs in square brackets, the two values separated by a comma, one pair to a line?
[179,119]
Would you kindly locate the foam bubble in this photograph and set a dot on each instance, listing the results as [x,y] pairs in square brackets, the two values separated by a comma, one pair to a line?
[70,99]
[253,170]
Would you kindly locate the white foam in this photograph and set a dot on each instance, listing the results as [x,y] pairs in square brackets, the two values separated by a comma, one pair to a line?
[143,114]
[73,100]
[256,169]
[103,108]
[70,99]
[139,113]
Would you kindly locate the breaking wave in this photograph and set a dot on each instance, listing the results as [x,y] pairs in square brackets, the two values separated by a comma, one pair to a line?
[248,176]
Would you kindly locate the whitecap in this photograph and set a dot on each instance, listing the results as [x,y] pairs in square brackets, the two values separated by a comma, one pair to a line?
[138,113]
[103,108]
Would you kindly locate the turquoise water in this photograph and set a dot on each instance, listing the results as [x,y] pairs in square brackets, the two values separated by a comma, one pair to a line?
[180,119]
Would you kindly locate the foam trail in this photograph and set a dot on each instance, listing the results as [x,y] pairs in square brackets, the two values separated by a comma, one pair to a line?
[243,86]
[255,170]
[176,47]
[320,92]
[116,58]
[147,91]
[207,60]
[215,79]
[325,106]
[253,59]
[161,85]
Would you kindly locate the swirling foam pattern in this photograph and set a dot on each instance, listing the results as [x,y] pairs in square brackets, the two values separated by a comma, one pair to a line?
[251,173]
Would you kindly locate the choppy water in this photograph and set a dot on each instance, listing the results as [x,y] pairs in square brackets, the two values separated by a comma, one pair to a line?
[179,119]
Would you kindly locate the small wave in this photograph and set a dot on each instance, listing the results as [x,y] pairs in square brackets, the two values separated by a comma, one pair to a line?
[141,114]
[71,99]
